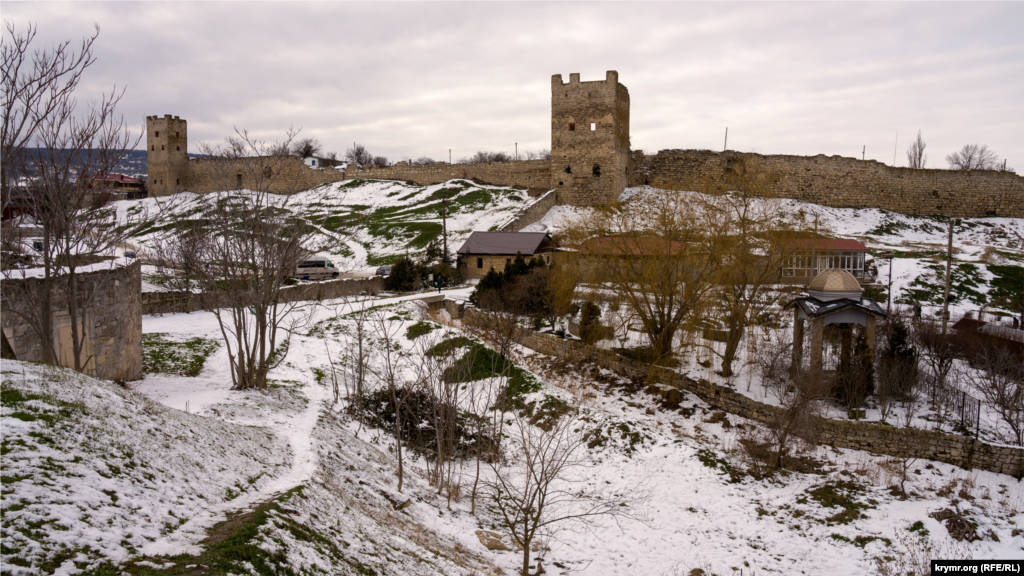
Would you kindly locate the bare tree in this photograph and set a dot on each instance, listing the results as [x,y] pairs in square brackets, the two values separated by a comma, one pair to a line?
[435,367]
[750,237]
[483,157]
[772,356]
[306,147]
[916,158]
[534,491]
[358,154]
[73,151]
[999,376]
[798,417]
[381,161]
[38,86]
[251,252]
[650,252]
[973,157]
[392,363]
[179,258]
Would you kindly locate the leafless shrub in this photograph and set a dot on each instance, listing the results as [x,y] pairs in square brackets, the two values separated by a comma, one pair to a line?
[538,488]
[483,157]
[358,154]
[916,158]
[392,363]
[973,157]
[306,147]
[1000,379]
[798,416]
[914,553]
[381,161]
[772,357]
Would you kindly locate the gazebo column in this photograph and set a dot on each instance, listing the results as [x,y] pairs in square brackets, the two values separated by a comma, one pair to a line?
[817,337]
[798,339]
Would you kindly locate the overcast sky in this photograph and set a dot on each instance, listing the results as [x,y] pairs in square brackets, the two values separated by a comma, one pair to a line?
[415,79]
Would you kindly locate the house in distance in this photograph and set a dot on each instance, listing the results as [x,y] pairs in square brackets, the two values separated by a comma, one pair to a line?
[482,250]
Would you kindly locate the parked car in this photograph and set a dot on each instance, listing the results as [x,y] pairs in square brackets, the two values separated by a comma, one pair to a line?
[384,270]
[316,268]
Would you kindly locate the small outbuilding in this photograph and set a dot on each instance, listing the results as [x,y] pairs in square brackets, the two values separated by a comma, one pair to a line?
[833,297]
[814,255]
[483,250]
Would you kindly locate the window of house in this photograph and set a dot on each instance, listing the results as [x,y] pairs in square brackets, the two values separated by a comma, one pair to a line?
[572,126]
[479,262]
[508,260]
[593,126]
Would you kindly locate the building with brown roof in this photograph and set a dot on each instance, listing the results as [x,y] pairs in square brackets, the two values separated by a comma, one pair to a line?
[484,250]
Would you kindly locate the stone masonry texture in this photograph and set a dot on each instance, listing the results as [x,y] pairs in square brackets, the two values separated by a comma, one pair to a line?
[112,321]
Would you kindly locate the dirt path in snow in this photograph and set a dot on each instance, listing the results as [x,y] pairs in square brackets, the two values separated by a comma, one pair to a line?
[298,431]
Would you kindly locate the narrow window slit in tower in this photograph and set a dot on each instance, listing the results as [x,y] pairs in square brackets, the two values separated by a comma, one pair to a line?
[593,126]
[572,126]
[157,134]
[568,169]
[597,170]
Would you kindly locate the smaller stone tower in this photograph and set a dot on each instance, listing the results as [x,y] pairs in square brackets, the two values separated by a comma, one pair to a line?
[589,139]
[166,154]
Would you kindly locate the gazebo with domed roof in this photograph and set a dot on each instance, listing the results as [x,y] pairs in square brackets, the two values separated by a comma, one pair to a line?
[834,297]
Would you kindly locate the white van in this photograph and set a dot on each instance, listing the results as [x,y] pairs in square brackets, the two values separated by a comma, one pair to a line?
[316,268]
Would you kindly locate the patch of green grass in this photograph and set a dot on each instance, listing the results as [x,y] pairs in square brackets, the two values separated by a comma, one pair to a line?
[844,495]
[860,541]
[163,356]
[713,461]
[966,284]
[479,362]
[627,437]
[919,528]
[421,328]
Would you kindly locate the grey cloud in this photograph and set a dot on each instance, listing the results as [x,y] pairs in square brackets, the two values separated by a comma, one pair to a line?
[413,79]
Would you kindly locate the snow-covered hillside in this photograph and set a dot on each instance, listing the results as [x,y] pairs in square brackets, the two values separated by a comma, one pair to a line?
[372,221]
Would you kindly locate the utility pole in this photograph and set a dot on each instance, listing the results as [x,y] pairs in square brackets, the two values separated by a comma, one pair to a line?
[894,145]
[949,270]
[444,225]
[726,145]
[449,156]
[863,152]
[517,151]
[888,299]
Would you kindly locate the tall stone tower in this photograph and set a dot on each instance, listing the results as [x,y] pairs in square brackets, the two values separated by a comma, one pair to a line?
[166,154]
[589,139]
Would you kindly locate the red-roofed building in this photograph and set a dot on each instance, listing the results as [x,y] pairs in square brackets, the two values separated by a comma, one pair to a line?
[817,254]
[119,185]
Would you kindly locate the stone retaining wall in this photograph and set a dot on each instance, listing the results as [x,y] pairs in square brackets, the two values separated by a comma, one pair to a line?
[531,213]
[177,302]
[110,321]
[955,449]
[842,182]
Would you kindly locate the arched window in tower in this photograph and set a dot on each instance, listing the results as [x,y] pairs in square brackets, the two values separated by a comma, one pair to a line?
[177,134]
[597,169]
[153,147]
[568,169]
[572,126]
[177,181]
[177,147]
[161,146]
[157,134]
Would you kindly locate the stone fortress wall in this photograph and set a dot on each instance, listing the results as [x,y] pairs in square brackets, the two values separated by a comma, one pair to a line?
[843,182]
[589,139]
[579,154]
[111,322]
